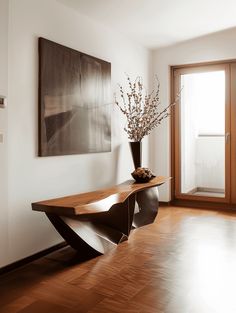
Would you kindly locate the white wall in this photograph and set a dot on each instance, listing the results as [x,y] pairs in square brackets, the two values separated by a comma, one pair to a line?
[3,130]
[219,46]
[32,178]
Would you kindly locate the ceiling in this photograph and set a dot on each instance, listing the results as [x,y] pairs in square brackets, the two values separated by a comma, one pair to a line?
[158,23]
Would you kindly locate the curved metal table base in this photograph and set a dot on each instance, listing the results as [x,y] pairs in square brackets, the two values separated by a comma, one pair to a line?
[147,207]
[94,234]
[94,222]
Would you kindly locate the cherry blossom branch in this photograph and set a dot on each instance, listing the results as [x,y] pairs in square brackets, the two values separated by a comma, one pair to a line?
[142,109]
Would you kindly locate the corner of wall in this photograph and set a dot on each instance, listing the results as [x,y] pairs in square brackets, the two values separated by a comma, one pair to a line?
[4,13]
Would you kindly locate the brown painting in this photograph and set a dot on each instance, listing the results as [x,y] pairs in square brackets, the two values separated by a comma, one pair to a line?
[74,101]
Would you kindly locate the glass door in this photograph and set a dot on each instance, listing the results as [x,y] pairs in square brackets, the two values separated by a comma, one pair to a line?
[202,137]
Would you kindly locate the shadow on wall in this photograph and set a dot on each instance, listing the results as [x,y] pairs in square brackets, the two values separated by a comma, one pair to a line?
[105,170]
[152,154]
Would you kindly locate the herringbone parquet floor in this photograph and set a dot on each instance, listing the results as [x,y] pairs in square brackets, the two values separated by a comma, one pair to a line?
[183,263]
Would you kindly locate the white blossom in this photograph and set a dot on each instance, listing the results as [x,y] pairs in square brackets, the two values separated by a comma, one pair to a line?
[141,109]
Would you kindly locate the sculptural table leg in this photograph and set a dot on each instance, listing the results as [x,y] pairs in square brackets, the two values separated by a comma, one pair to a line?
[93,234]
[71,237]
[148,203]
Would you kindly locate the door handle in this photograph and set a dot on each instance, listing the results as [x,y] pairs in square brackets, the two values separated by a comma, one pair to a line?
[227,137]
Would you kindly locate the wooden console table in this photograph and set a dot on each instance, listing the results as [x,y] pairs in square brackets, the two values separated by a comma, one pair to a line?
[93,222]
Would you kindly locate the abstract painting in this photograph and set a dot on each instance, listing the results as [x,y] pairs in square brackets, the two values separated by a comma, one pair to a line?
[74,101]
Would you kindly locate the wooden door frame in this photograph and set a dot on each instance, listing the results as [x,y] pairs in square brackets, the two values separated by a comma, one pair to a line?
[175,155]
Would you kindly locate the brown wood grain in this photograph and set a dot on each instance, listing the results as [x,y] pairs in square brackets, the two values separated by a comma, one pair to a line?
[233,133]
[95,201]
[183,262]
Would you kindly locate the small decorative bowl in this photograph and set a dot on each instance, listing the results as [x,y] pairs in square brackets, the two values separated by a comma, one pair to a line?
[142,175]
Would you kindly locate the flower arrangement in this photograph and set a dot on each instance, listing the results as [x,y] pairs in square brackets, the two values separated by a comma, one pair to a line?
[141,109]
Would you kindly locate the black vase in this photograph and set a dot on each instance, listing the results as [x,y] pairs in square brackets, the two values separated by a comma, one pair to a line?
[136,151]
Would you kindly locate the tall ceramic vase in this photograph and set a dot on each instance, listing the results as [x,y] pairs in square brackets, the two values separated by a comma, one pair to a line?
[136,151]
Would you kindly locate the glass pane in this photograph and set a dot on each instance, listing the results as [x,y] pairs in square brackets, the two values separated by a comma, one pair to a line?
[202,134]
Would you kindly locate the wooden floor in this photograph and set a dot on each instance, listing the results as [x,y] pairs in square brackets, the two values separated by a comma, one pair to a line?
[183,263]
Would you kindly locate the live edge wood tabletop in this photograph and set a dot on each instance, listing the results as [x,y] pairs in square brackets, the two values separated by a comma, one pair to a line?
[95,201]
[93,222]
